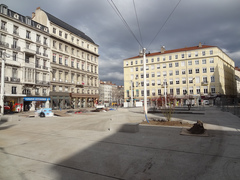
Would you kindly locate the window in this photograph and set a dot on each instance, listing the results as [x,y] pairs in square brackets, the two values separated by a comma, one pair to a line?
[203,53]
[147,67]
[213,90]
[196,62]
[211,69]
[28,34]
[183,80]
[131,69]
[205,80]
[170,57]
[60,33]
[152,67]
[54,44]
[170,73]
[54,30]
[152,59]
[204,61]
[211,60]
[158,82]
[189,63]
[158,66]
[15,30]
[178,91]
[164,65]
[14,90]
[211,52]
[190,71]
[190,80]
[182,55]
[158,74]
[177,81]
[153,83]
[212,79]
[38,38]
[142,92]
[177,72]
[196,54]
[141,68]
[171,91]
[183,71]
[136,69]
[197,79]
[136,77]
[14,56]
[126,63]
[191,90]
[147,75]
[197,70]
[204,70]
[147,82]
[146,60]
[131,62]
[159,91]
[54,57]
[153,74]
[189,54]
[205,90]
[171,82]
[72,63]
[136,62]
[66,35]
[164,58]
[4,25]
[176,64]
[176,56]
[183,63]
[170,65]
[198,90]
[148,93]
[141,61]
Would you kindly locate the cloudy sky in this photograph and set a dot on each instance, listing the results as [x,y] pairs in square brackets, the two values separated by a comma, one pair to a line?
[211,22]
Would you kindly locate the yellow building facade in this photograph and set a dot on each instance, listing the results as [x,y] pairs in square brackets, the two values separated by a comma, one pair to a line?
[199,72]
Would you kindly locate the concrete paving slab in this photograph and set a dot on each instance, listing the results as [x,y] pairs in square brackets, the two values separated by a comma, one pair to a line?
[81,147]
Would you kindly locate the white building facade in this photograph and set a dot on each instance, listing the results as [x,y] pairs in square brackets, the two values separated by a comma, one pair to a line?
[27,69]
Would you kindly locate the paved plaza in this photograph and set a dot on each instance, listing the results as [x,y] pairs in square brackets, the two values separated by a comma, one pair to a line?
[86,146]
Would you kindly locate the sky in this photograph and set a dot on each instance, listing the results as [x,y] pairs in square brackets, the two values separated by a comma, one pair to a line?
[211,22]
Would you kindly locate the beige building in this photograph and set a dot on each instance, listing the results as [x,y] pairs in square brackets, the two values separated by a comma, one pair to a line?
[198,73]
[27,63]
[74,64]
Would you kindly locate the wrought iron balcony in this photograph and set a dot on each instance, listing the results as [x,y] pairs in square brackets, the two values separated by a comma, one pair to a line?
[13,79]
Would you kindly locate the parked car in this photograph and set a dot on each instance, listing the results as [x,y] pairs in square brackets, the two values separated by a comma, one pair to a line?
[206,102]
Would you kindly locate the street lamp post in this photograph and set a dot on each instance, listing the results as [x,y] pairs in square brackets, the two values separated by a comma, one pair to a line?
[5,55]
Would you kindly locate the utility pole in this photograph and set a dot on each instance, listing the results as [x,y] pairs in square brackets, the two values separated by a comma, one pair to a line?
[4,55]
[144,81]
[131,94]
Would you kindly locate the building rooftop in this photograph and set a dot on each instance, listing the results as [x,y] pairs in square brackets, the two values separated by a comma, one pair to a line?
[163,51]
[70,28]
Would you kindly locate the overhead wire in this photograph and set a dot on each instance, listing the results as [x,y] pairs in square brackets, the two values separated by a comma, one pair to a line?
[123,20]
[140,34]
[164,24]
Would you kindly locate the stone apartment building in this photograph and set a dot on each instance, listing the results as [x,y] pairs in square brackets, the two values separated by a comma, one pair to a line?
[74,64]
[24,44]
[197,73]
[110,94]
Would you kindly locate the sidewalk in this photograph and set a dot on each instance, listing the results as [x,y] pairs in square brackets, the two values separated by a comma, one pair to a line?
[81,147]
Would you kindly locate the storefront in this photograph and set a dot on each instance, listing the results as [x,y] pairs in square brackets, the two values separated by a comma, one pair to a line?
[60,100]
[83,100]
[35,103]
[14,103]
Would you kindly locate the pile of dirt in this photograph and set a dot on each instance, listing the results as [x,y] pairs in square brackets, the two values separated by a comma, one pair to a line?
[167,123]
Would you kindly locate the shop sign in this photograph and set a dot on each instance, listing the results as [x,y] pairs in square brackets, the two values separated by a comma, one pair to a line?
[36,99]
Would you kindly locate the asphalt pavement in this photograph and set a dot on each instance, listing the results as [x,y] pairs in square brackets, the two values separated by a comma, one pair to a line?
[86,146]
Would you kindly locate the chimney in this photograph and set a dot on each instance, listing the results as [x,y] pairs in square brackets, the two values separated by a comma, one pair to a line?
[163,49]
[200,44]
[33,15]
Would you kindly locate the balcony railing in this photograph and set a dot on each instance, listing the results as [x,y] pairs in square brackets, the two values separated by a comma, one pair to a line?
[17,48]
[38,66]
[4,44]
[44,54]
[13,79]
[45,67]
[204,83]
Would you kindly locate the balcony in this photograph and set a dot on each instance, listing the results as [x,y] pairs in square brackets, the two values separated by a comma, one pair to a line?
[37,93]
[39,82]
[45,54]
[16,48]
[46,83]
[45,67]
[13,79]
[3,27]
[38,66]
[204,83]
[4,44]
[28,51]
[38,53]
